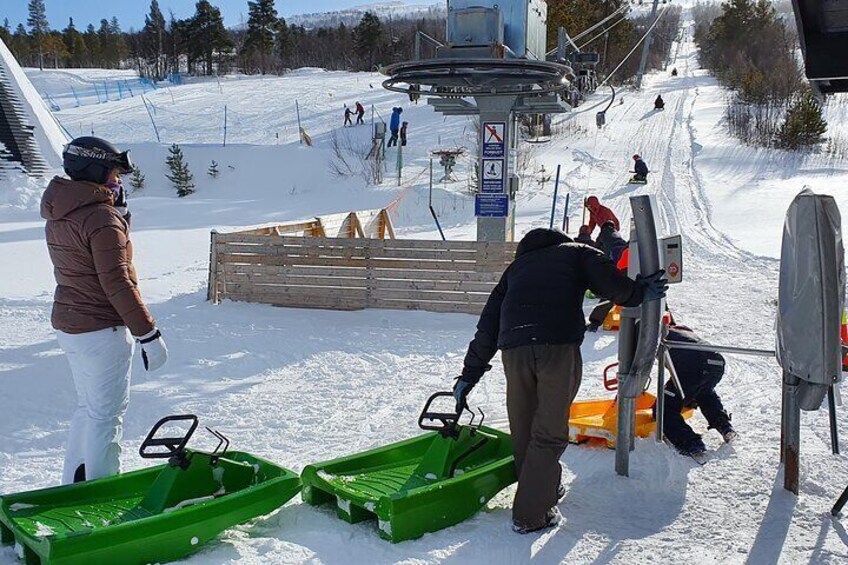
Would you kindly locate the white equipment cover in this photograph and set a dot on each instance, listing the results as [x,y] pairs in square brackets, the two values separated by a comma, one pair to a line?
[811,296]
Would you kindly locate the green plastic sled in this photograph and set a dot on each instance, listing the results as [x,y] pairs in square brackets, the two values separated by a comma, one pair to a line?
[158,514]
[419,485]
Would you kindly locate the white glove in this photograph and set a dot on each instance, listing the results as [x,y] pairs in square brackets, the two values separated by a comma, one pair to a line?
[154,354]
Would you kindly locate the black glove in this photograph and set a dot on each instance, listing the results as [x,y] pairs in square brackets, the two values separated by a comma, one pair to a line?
[653,286]
[460,392]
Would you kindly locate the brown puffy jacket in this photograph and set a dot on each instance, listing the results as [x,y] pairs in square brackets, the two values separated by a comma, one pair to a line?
[90,248]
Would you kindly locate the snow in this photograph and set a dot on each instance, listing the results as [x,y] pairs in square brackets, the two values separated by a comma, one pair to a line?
[302,386]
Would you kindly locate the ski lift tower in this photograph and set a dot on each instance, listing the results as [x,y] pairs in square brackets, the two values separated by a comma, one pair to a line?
[495,56]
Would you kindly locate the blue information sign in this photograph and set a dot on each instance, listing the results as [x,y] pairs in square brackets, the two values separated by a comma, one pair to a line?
[493,175]
[491,205]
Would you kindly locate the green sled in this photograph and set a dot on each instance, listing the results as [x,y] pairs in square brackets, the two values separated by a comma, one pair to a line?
[158,514]
[420,485]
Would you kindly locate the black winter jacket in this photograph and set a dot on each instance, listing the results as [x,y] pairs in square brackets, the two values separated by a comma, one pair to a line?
[611,242]
[640,167]
[696,370]
[539,298]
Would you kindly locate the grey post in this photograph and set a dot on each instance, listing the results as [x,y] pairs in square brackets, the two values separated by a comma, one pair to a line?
[791,433]
[636,357]
[496,109]
[658,434]
[646,47]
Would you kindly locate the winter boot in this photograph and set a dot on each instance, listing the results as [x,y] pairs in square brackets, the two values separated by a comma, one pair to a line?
[79,474]
[592,327]
[552,518]
[727,432]
[694,448]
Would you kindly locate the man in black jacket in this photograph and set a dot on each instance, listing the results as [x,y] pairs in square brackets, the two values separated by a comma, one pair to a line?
[535,316]
[698,372]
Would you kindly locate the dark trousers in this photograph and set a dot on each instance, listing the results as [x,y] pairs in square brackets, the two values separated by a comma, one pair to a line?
[541,383]
[359,119]
[393,139]
[347,121]
[703,396]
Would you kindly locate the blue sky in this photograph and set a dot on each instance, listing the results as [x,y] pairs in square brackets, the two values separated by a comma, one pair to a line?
[131,13]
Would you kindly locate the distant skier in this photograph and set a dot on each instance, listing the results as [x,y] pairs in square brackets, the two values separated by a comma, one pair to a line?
[403,133]
[674,72]
[394,126]
[699,372]
[534,316]
[640,168]
[360,114]
[659,103]
[348,113]
[414,93]
[599,214]
[98,313]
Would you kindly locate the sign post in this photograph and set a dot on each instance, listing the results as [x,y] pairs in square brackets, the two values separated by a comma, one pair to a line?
[494,203]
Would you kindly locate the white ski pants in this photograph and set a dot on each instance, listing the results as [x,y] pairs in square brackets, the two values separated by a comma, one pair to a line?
[100,363]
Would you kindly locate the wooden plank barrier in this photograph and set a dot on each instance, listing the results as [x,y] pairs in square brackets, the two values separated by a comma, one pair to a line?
[356,273]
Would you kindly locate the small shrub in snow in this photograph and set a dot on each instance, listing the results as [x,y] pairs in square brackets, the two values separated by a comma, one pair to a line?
[804,124]
[213,170]
[180,176]
[136,179]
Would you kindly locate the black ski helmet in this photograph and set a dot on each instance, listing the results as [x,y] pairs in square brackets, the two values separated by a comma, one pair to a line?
[91,159]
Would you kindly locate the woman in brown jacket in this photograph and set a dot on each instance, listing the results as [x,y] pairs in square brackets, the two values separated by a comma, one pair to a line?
[98,313]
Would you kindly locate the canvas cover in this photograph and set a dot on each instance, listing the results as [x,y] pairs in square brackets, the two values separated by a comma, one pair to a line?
[811,295]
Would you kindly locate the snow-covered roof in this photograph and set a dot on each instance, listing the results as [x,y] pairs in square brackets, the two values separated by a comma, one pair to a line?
[28,129]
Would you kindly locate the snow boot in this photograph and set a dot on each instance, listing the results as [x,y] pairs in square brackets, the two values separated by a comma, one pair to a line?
[79,474]
[592,327]
[552,518]
[727,433]
[695,449]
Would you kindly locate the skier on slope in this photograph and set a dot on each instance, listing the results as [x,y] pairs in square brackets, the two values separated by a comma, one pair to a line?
[98,313]
[640,168]
[599,214]
[347,114]
[403,128]
[360,113]
[394,126]
[698,372]
[659,103]
[535,317]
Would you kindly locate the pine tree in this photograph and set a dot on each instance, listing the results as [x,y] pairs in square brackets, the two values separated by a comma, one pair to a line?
[207,34]
[367,37]
[137,179]
[261,28]
[92,45]
[37,22]
[6,32]
[213,170]
[180,176]
[153,35]
[804,124]
[21,45]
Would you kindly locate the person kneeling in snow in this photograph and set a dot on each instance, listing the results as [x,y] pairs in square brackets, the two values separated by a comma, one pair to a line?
[698,372]
[535,317]
[97,313]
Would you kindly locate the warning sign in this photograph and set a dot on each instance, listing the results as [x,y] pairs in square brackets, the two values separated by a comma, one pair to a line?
[491,205]
[494,136]
[493,175]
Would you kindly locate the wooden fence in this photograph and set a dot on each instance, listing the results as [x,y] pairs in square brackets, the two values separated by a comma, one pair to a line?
[352,274]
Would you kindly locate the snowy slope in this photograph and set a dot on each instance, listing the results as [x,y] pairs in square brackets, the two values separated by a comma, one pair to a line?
[301,386]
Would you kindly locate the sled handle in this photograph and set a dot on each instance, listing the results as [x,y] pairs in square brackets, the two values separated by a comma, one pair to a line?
[610,383]
[448,419]
[173,445]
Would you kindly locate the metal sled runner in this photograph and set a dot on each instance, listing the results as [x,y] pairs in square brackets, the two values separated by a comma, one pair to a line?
[157,514]
[419,485]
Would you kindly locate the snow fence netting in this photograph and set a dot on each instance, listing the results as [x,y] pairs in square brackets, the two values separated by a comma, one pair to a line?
[811,295]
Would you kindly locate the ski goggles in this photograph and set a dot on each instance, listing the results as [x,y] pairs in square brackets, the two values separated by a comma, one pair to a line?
[120,161]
